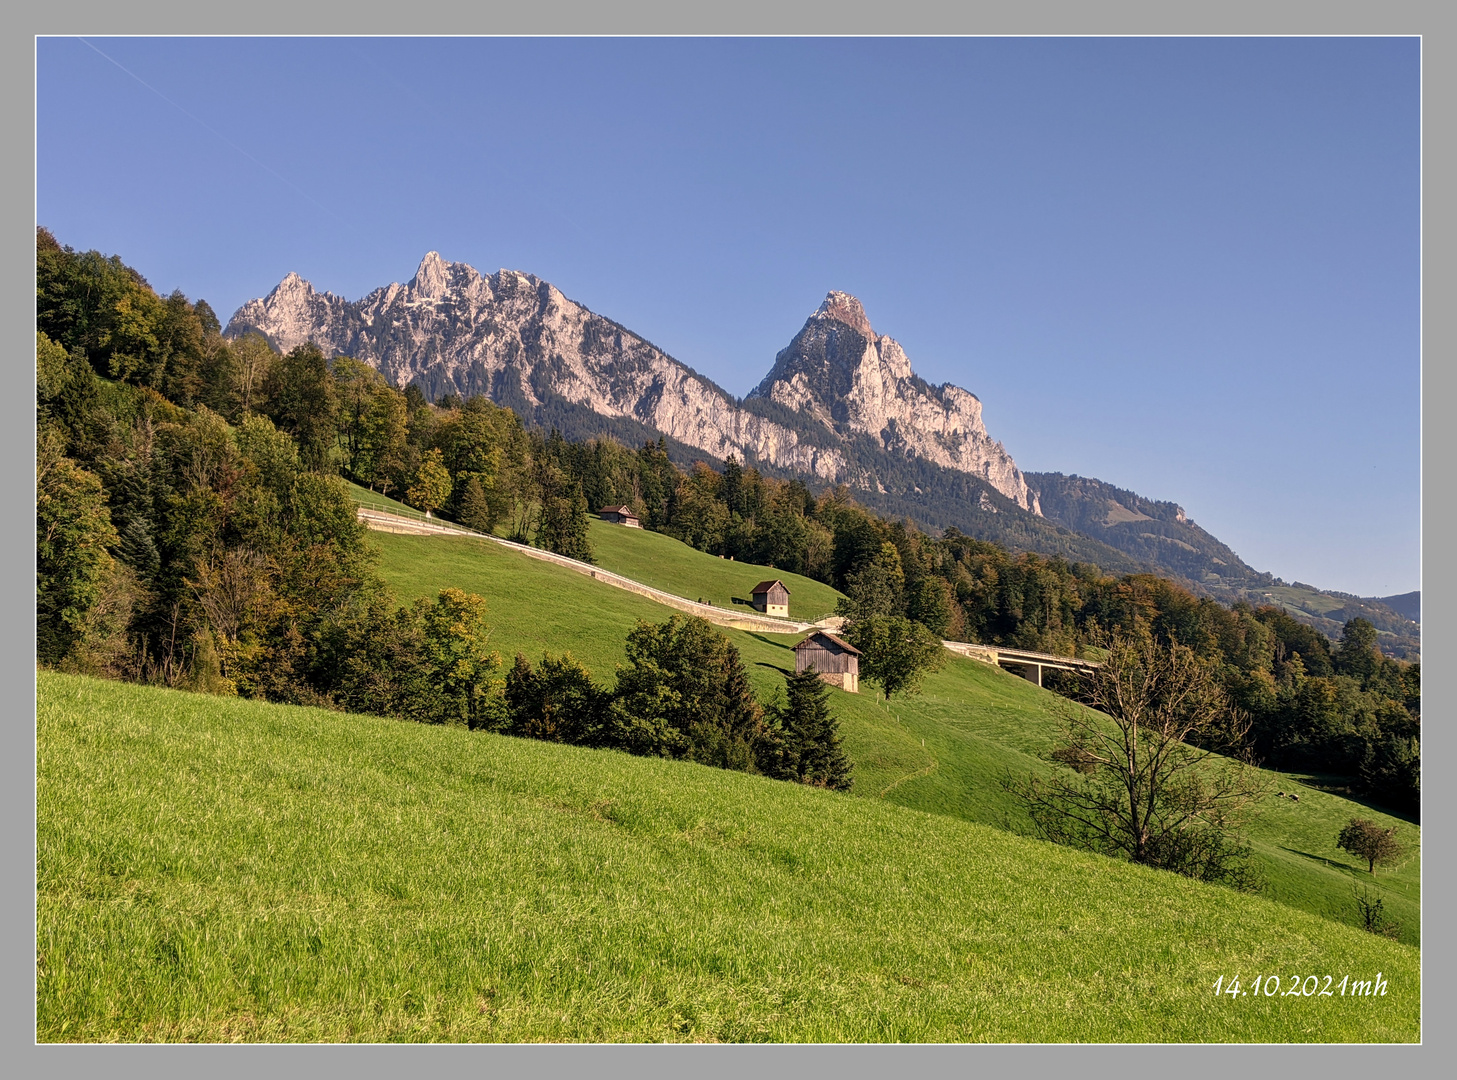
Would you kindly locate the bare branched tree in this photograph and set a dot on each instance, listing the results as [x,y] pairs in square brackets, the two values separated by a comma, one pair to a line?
[1158,774]
[233,590]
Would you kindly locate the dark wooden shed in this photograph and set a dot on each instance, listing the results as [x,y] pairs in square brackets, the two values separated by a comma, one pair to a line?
[621,515]
[836,660]
[772,598]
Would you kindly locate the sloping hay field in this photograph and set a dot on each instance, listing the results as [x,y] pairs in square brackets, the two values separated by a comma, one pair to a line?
[945,750]
[212,869]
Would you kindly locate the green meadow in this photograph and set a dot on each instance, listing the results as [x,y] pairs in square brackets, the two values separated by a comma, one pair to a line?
[216,869]
[673,566]
[944,751]
[374,499]
[664,563]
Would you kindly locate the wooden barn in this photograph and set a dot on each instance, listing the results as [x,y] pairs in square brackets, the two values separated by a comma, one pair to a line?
[620,515]
[836,660]
[772,598]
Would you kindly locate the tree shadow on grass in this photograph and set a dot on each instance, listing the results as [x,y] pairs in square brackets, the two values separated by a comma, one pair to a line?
[770,641]
[1342,786]
[1334,864]
[774,667]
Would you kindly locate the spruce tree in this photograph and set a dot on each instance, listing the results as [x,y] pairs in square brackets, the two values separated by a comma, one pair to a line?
[811,734]
[475,512]
[131,512]
[563,527]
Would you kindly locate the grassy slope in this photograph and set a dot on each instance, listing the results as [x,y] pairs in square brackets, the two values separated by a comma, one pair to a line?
[217,869]
[537,607]
[379,502]
[673,566]
[943,751]
[1304,599]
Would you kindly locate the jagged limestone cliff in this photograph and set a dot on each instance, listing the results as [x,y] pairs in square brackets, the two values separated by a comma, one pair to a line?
[515,337]
[855,381]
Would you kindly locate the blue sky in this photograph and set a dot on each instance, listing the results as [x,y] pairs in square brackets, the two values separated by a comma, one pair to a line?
[1189,267]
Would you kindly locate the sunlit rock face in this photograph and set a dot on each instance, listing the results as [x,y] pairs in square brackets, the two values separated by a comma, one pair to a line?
[853,380]
[516,338]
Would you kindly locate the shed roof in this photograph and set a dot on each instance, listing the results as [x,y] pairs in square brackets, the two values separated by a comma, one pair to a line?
[617,510]
[841,642]
[765,586]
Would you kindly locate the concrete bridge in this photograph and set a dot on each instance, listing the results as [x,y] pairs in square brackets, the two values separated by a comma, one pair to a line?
[1029,665]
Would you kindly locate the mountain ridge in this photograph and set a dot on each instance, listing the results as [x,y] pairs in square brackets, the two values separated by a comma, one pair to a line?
[514,337]
[1161,533]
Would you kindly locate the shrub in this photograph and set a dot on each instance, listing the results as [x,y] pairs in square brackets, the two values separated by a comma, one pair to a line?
[557,702]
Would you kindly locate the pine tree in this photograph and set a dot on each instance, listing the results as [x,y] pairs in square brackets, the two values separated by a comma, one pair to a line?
[811,734]
[131,513]
[563,527]
[733,485]
[475,512]
[137,548]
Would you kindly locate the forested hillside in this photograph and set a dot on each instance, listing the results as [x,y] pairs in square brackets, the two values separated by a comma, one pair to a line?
[193,531]
[1160,534]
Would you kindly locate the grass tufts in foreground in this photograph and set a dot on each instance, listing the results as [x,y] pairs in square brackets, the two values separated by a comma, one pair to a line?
[212,869]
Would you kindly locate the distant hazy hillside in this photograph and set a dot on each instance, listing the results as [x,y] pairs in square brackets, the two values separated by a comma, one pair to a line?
[1153,532]
[1407,604]
[1159,533]
[1328,611]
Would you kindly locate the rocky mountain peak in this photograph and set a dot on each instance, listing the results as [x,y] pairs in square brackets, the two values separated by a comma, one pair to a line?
[842,307]
[518,339]
[433,276]
[861,383]
[292,283]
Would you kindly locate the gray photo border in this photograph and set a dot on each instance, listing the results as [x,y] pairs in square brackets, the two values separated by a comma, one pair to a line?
[754,18]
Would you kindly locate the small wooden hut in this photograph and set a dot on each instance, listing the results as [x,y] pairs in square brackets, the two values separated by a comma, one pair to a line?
[620,515]
[772,598]
[836,660]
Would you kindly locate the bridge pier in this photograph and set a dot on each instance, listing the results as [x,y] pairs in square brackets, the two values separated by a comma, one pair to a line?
[1031,672]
